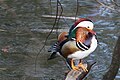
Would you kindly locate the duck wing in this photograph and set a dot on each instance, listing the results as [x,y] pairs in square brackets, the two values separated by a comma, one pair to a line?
[55,48]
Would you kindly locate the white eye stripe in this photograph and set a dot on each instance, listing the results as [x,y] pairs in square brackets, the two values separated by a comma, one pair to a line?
[85,24]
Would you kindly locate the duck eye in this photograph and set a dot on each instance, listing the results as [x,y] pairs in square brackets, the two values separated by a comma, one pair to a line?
[88,27]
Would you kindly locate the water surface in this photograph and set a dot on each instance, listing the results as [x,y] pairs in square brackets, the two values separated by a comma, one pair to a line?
[23,31]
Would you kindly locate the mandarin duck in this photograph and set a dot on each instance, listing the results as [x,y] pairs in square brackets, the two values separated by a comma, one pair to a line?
[76,44]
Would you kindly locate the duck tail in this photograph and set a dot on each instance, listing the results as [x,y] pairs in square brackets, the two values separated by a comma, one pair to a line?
[53,49]
[52,56]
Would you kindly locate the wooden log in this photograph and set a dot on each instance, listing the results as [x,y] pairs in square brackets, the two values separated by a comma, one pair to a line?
[115,64]
[79,75]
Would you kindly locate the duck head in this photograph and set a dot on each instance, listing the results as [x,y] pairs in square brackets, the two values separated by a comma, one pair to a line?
[83,29]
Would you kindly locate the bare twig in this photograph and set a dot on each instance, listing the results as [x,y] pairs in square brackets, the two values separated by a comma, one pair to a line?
[56,17]
[115,3]
[77,10]
[111,7]
[59,17]
[104,5]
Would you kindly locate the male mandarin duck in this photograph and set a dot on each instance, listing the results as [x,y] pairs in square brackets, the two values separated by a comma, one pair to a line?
[77,44]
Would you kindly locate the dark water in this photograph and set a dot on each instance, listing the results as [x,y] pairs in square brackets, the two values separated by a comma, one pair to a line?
[23,31]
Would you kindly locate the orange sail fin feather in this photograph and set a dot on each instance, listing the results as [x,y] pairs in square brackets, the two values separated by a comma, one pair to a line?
[62,37]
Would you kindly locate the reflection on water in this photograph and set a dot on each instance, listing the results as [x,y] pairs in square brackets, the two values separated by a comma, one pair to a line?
[23,30]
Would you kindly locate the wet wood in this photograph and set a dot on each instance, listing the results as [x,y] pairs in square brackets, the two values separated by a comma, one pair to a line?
[115,64]
[79,75]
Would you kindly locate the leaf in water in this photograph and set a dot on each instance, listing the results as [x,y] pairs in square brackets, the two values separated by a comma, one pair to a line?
[5,49]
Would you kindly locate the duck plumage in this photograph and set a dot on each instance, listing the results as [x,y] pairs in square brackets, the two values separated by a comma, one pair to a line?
[76,44]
